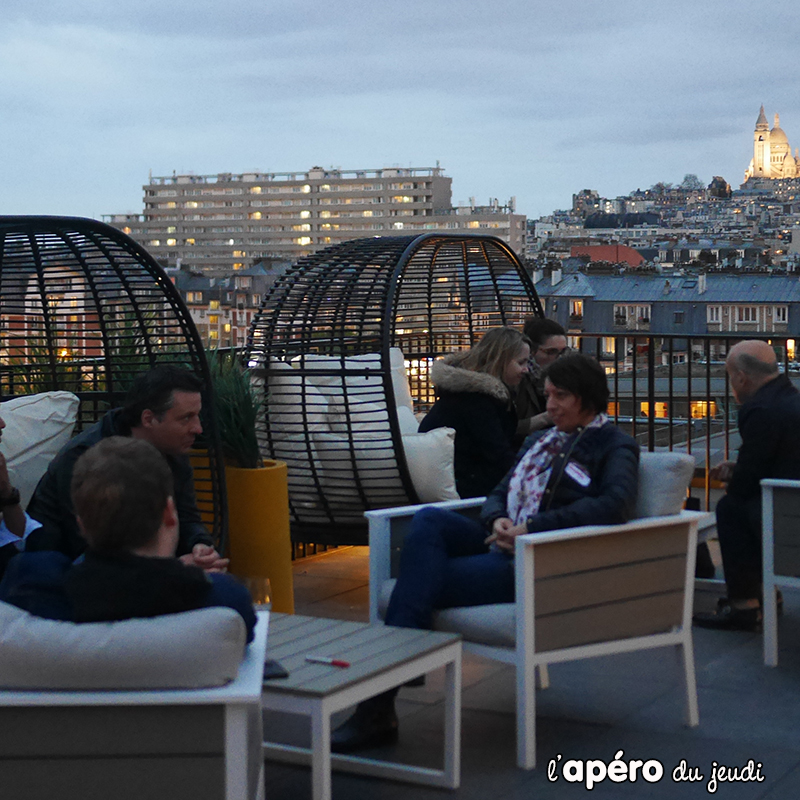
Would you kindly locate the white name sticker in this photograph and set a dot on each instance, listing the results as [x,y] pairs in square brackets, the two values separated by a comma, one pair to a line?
[578,474]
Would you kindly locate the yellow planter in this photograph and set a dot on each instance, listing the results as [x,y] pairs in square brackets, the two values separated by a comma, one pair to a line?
[258,528]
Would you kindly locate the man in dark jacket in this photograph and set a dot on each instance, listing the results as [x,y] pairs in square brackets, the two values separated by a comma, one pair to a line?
[163,408]
[769,425]
[123,497]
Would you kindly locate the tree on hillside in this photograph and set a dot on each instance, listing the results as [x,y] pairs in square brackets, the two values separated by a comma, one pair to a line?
[691,183]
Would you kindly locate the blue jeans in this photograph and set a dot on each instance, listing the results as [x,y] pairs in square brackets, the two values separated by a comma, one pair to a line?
[445,564]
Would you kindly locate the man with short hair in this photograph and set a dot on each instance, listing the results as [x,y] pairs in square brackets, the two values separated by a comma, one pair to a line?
[124,502]
[162,407]
[769,425]
[548,343]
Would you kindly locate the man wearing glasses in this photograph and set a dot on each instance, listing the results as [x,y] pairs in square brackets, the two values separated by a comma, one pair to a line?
[549,343]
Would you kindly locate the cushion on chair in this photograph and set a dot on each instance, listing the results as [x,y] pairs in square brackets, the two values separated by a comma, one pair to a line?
[663,481]
[177,651]
[37,427]
[494,625]
[430,461]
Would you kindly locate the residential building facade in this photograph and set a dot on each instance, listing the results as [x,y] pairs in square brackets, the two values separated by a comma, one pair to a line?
[223,223]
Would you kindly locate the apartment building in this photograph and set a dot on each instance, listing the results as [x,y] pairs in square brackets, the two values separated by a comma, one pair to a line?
[223,223]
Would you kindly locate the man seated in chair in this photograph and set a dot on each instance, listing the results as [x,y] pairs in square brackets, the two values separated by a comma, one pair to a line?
[123,496]
[162,407]
[769,424]
[582,471]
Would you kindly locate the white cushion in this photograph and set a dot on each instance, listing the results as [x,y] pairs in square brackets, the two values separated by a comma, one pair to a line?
[295,404]
[407,421]
[189,650]
[37,427]
[430,461]
[663,481]
[364,464]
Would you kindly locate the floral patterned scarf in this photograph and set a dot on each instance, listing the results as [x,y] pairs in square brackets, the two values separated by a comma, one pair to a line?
[530,476]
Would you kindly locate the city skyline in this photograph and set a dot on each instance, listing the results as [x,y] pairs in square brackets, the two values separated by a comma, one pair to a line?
[528,101]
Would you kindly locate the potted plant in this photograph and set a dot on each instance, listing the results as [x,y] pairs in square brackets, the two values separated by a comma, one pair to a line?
[258,496]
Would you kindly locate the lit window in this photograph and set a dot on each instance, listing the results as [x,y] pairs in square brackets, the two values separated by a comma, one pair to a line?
[213,305]
[172,242]
[398,226]
[213,319]
[325,214]
[255,215]
[239,253]
[473,224]
[171,229]
[701,408]
[303,240]
[126,230]
[255,190]
[171,205]
[238,265]
[155,243]
[213,334]
[366,213]
[227,327]
[305,214]
[576,308]
[306,188]
[190,241]
[302,227]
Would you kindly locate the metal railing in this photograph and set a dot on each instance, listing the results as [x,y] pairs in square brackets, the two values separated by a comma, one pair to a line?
[671,392]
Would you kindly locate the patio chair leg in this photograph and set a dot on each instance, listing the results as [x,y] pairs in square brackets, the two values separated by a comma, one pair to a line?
[526,716]
[692,713]
[770,623]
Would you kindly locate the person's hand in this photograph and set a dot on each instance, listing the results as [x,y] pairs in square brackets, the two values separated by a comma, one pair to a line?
[207,558]
[722,472]
[5,481]
[504,531]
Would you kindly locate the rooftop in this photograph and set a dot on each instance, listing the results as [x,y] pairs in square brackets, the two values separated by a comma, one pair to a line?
[592,710]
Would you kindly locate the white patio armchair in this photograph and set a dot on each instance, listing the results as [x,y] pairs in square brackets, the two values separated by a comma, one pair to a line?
[580,593]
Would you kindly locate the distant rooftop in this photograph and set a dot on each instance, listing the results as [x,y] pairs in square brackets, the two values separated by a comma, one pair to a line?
[315,173]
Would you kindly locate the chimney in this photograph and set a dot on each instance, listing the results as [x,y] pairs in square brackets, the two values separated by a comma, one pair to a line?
[555,277]
[701,284]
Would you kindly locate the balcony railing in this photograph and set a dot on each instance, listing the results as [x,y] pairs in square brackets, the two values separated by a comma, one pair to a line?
[672,392]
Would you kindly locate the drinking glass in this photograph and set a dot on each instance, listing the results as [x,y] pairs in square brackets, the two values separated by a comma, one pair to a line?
[260,592]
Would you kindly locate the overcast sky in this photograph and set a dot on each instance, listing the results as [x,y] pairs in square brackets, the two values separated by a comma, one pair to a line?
[512,97]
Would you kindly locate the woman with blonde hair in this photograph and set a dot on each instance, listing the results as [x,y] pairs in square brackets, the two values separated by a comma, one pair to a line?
[475,393]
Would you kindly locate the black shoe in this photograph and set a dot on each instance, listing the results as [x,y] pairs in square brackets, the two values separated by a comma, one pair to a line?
[729,618]
[373,724]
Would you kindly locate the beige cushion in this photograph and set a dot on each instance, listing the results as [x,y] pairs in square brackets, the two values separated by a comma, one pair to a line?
[189,650]
[37,427]
[430,461]
[663,481]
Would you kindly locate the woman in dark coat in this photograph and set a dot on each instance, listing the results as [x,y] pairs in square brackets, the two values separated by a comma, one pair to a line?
[475,397]
[582,471]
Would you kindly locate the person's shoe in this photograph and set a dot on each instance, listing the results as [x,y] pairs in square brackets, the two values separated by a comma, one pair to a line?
[373,724]
[730,618]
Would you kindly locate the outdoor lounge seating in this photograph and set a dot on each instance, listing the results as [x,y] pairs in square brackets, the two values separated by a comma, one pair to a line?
[780,509]
[343,344]
[85,309]
[161,707]
[580,593]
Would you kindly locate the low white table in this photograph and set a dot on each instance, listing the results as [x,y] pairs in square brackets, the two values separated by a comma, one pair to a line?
[381,658]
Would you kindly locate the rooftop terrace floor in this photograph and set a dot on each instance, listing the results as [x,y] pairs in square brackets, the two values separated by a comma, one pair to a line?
[592,710]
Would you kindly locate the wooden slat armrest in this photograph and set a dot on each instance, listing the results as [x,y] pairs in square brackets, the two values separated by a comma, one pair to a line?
[532,539]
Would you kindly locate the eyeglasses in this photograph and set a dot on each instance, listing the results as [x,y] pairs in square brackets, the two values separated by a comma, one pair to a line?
[555,352]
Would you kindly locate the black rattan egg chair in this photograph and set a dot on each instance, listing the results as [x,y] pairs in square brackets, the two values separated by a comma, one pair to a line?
[322,343]
[85,309]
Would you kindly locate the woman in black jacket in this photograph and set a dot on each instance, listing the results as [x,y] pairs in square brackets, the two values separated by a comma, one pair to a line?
[475,397]
[583,471]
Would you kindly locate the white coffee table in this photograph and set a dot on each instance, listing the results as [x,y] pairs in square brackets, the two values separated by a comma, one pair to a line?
[381,658]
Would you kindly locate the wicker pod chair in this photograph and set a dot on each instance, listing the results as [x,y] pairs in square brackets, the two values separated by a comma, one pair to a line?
[84,308]
[333,343]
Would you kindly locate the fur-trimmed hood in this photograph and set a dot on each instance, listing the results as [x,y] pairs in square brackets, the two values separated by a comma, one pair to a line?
[447,376]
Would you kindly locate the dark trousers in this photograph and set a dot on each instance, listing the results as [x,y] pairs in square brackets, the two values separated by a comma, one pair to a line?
[445,564]
[739,531]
